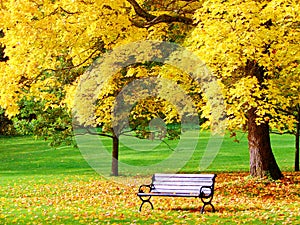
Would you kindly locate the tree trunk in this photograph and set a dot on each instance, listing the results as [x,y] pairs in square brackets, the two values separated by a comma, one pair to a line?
[297,142]
[262,160]
[115,156]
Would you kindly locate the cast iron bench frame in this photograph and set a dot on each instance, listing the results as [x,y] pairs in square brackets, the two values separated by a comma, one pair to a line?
[179,185]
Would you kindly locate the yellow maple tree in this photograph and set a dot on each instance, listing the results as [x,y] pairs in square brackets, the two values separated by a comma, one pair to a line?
[253,47]
[51,43]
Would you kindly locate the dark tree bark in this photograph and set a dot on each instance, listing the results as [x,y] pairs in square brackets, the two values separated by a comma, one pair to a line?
[115,149]
[2,47]
[262,160]
[297,142]
[115,156]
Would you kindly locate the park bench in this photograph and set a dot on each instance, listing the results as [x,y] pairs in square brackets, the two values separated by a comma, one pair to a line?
[179,185]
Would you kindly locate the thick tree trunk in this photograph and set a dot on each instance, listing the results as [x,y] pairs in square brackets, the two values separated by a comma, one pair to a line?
[297,143]
[262,160]
[115,156]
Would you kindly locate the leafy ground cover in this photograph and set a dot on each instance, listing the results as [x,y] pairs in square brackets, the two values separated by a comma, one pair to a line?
[40,185]
[93,200]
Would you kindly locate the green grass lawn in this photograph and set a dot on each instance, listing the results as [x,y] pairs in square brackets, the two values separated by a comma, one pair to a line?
[42,185]
[25,155]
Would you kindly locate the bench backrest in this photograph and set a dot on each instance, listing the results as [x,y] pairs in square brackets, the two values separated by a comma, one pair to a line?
[189,184]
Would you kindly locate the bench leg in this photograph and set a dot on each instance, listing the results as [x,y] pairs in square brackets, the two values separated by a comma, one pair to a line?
[205,203]
[144,201]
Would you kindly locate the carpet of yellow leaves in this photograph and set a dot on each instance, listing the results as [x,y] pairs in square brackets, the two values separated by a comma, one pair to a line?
[94,200]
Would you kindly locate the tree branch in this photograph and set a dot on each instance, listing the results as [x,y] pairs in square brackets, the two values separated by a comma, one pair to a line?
[88,131]
[169,147]
[71,67]
[140,11]
[152,20]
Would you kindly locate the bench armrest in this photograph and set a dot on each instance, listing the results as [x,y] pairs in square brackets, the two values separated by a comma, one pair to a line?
[203,194]
[145,188]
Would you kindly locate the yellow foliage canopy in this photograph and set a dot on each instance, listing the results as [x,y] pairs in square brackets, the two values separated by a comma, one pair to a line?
[39,35]
[236,38]
[50,43]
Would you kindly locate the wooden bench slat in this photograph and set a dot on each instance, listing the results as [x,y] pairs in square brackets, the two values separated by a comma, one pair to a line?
[185,187]
[176,190]
[184,175]
[182,183]
[197,179]
[179,188]
[171,194]
[183,194]
[179,179]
